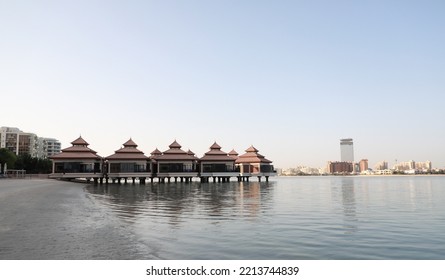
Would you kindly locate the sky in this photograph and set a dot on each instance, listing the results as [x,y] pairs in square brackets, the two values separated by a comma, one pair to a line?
[291,78]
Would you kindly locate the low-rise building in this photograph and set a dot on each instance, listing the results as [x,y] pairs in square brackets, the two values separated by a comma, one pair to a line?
[340,167]
[77,161]
[382,165]
[254,164]
[412,167]
[128,162]
[176,163]
[383,172]
[217,164]
[425,166]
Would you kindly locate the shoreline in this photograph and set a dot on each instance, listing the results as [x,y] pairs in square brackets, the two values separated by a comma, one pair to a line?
[45,219]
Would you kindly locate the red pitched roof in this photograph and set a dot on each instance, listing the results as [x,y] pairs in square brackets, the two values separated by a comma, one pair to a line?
[78,151]
[175,145]
[233,154]
[252,149]
[189,152]
[80,141]
[175,153]
[215,146]
[130,143]
[215,154]
[128,152]
[155,154]
[252,156]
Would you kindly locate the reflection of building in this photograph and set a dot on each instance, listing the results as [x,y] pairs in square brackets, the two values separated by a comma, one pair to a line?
[128,162]
[217,164]
[347,150]
[77,161]
[254,164]
[340,167]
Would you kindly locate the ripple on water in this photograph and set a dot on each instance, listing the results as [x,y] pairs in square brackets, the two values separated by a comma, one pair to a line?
[289,218]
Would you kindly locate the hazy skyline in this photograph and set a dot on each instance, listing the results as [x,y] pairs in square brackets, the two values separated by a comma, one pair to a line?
[290,77]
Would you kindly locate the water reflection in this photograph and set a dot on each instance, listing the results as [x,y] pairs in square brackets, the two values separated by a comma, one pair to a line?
[288,218]
[179,202]
[349,204]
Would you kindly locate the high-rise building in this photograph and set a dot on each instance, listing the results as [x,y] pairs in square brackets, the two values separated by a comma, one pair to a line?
[21,143]
[18,142]
[347,150]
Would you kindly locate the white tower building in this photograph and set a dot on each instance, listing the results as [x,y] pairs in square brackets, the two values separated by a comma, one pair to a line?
[347,150]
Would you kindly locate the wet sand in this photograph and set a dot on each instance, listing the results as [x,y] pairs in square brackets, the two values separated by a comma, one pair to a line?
[49,219]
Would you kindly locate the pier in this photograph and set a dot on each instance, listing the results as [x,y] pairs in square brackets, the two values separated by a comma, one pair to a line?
[128,165]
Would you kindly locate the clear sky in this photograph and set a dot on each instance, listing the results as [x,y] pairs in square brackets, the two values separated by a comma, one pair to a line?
[289,77]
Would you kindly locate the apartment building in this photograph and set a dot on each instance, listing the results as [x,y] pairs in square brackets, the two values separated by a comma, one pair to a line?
[21,143]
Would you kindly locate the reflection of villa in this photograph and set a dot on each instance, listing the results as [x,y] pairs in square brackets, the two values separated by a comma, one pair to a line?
[128,162]
[176,163]
[77,161]
[254,164]
[217,164]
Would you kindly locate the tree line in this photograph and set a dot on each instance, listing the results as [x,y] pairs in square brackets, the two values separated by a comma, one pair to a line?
[31,165]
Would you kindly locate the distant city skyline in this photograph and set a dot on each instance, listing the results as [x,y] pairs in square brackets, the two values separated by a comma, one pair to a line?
[345,153]
[290,77]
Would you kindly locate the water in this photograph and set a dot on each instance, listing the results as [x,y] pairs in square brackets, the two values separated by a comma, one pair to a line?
[382,217]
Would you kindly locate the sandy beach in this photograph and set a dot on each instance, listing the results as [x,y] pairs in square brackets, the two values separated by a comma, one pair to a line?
[49,219]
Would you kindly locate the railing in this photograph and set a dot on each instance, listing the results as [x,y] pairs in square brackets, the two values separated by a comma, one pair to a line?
[78,171]
[177,171]
[130,171]
[219,170]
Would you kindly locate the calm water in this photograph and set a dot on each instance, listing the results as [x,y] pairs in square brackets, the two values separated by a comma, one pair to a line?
[396,217]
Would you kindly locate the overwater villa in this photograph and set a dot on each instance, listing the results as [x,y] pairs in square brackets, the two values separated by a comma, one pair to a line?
[128,162]
[176,163]
[217,164]
[77,161]
[254,164]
